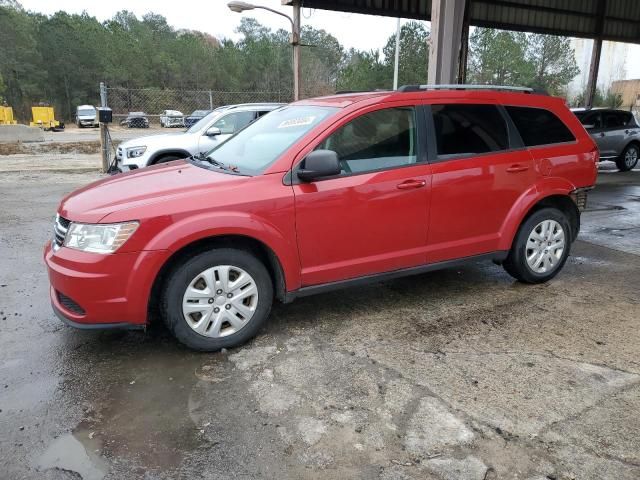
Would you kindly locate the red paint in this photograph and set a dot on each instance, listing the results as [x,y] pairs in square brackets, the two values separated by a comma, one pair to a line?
[324,231]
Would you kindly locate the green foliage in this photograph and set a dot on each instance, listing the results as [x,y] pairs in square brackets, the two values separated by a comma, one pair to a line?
[607,99]
[500,57]
[61,59]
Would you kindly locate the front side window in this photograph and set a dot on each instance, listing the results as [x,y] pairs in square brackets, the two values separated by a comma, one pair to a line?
[234,122]
[538,126]
[375,141]
[464,129]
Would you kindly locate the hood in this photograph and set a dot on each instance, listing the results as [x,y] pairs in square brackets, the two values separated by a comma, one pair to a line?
[166,140]
[88,116]
[153,185]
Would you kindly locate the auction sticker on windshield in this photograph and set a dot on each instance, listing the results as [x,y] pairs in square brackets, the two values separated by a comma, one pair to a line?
[297,122]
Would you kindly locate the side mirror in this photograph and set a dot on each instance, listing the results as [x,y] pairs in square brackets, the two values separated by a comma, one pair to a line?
[318,164]
[213,131]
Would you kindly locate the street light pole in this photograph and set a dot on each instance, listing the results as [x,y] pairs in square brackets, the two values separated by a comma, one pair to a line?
[239,7]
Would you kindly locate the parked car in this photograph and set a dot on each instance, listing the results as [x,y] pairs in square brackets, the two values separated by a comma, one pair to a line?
[136,120]
[171,118]
[616,133]
[86,116]
[201,137]
[196,116]
[321,194]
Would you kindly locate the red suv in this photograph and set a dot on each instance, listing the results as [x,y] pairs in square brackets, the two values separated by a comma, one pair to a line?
[320,194]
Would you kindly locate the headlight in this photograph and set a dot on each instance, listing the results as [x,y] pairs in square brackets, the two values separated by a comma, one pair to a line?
[99,238]
[135,152]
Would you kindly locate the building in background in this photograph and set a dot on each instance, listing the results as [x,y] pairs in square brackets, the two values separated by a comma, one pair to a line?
[613,64]
[629,90]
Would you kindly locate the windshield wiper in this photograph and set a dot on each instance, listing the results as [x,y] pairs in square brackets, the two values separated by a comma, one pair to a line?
[203,157]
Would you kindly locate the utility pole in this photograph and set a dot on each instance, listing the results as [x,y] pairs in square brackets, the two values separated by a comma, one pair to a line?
[396,64]
[105,147]
[295,41]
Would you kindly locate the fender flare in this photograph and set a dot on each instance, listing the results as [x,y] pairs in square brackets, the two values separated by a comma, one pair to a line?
[174,151]
[544,188]
[204,226]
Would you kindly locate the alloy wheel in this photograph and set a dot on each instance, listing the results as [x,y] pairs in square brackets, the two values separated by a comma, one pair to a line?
[545,246]
[631,157]
[220,301]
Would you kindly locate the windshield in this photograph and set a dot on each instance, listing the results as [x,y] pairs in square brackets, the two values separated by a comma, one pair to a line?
[203,122]
[260,144]
[87,111]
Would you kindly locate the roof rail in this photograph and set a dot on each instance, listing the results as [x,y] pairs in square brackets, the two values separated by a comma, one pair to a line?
[456,86]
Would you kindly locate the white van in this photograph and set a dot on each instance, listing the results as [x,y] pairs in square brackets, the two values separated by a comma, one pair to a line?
[86,116]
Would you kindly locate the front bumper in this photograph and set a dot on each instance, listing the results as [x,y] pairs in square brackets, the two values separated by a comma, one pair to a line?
[91,290]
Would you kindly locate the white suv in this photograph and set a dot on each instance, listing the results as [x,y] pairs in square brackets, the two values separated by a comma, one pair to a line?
[202,136]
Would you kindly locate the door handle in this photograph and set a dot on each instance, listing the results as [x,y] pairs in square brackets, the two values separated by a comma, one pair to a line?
[517,168]
[409,184]
[602,134]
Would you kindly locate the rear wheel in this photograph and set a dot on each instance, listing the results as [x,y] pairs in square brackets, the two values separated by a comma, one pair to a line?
[540,248]
[629,158]
[217,299]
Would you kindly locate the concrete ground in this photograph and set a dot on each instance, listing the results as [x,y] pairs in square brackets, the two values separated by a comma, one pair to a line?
[453,375]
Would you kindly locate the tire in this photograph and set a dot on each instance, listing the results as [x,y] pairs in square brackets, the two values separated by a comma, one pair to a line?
[225,327]
[526,245]
[629,158]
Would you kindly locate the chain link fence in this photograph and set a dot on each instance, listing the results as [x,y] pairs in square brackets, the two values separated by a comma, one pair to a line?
[152,102]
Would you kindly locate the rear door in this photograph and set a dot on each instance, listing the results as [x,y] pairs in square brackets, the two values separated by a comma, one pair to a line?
[612,135]
[476,178]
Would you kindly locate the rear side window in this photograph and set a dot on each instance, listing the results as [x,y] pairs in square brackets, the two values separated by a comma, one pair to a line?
[538,126]
[463,129]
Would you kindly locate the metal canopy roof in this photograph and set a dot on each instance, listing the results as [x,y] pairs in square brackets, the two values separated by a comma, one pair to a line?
[616,20]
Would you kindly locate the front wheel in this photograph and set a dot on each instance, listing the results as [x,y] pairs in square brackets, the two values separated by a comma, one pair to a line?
[217,299]
[629,158]
[540,248]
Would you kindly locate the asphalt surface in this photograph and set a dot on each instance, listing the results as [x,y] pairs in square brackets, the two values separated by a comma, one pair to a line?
[457,374]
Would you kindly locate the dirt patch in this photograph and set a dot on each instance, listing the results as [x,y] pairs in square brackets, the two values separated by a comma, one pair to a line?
[16,148]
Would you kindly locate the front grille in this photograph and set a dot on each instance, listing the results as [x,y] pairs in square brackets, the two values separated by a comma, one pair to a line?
[60,228]
[69,304]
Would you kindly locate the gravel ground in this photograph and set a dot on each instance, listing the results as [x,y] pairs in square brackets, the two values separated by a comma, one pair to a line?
[458,374]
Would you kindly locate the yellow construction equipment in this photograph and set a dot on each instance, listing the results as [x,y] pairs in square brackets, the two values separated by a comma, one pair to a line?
[6,116]
[44,118]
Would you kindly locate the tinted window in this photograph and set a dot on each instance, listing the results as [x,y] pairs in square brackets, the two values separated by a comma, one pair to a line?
[376,140]
[469,129]
[234,122]
[590,119]
[538,126]
[612,120]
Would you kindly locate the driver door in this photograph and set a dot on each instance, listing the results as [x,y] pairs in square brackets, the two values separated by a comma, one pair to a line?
[228,125]
[372,218]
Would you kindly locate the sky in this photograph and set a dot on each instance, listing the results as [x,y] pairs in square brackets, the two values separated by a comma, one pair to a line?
[364,32]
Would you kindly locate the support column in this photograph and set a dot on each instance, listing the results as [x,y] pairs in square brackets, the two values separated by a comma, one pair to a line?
[447,18]
[594,67]
[592,82]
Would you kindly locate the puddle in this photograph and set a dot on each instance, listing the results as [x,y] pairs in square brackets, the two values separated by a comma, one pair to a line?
[75,452]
